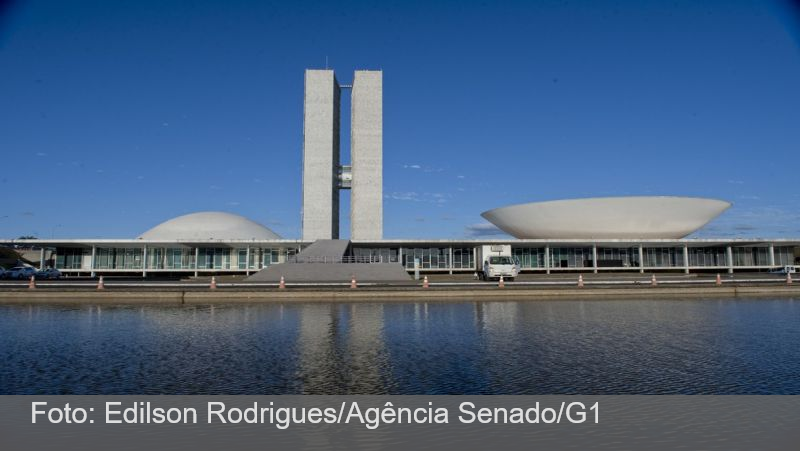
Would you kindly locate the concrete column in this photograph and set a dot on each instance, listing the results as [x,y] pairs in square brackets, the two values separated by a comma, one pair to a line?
[247,262]
[451,260]
[144,261]
[196,259]
[547,259]
[41,259]
[771,254]
[594,257]
[475,261]
[686,258]
[94,254]
[641,258]
[366,156]
[729,259]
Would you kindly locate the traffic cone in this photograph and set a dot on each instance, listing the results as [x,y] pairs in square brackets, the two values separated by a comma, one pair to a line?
[653,280]
[282,284]
[353,283]
[425,282]
[719,280]
[213,285]
[788,278]
[580,280]
[32,283]
[100,285]
[501,283]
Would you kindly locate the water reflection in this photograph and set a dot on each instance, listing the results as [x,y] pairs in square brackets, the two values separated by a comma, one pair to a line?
[603,347]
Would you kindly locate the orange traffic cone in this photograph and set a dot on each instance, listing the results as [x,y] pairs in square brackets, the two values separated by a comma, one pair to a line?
[653,280]
[100,285]
[580,280]
[32,283]
[282,284]
[425,282]
[213,285]
[719,280]
[353,283]
[501,283]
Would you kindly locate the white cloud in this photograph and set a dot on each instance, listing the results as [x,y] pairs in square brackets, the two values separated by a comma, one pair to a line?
[483,229]
[413,196]
[407,195]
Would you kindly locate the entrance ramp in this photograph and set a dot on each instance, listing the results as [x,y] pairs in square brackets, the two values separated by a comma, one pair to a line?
[322,249]
[326,261]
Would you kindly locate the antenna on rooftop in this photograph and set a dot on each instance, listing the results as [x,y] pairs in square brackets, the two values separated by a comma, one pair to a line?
[326,62]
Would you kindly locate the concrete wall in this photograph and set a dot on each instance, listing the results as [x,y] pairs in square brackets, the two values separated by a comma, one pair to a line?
[320,155]
[366,198]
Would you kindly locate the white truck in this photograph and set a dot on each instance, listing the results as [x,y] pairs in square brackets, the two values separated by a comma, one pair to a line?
[496,260]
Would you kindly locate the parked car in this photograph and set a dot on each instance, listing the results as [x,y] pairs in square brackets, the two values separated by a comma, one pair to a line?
[48,273]
[2,273]
[21,272]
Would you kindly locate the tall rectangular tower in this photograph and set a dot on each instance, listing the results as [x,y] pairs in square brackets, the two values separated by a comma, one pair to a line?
[366,153]
[320,156]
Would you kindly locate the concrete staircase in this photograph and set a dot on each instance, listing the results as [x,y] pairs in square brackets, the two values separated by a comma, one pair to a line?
[326,261]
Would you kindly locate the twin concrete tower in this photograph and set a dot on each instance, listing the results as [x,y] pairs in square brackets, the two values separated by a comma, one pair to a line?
[324,175]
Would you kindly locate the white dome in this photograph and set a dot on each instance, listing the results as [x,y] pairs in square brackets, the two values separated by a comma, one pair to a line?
[206,225]
[607,217]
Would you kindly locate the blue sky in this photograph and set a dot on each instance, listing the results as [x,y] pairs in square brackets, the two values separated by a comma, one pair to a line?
[119,115]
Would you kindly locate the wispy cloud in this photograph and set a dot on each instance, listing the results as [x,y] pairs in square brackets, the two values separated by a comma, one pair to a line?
[422,168]
[403,195]
[413,196]
[483,229]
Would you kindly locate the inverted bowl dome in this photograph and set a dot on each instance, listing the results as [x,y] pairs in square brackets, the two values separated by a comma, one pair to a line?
[607,217]
[216,225]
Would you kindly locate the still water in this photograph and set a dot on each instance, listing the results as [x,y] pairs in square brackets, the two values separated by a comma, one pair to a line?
[541,347]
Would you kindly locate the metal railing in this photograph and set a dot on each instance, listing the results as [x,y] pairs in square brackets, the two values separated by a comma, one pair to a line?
[362,259]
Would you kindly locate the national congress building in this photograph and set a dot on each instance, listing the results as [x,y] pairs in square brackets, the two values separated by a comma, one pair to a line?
[635,234]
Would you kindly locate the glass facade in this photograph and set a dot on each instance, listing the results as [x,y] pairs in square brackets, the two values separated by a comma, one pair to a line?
[433,258]
[750,256]
[617,257]
[784,255]
[529,257]
[663,257]
[463,258]
[707,256]
[571,257]
[429,257]
[179,258]
[118,258]
[70,258]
